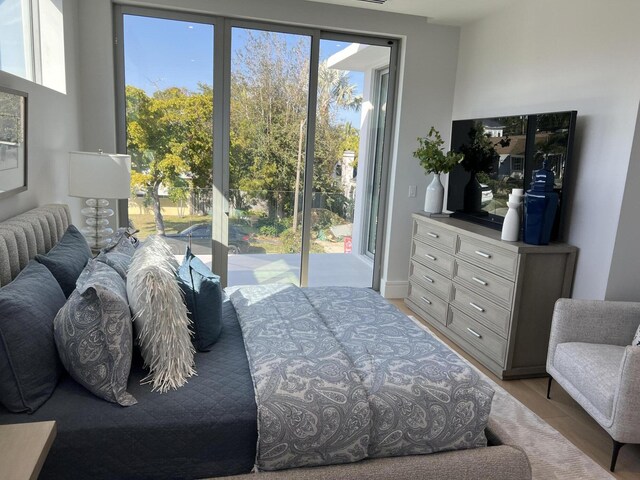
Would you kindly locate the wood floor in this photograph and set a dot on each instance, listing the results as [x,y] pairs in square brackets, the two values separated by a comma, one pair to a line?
[562,413]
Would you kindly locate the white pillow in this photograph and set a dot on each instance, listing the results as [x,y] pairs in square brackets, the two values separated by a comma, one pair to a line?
[636,338]
[160,316]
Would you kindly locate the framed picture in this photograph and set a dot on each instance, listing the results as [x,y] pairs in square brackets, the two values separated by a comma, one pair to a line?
[13,142]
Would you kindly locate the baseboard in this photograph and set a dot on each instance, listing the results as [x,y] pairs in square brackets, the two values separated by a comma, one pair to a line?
[394,288]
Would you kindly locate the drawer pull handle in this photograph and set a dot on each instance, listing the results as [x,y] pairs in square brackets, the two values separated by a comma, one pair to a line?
[482,254]
[474,333]
[433,235]
[479,280]
[430,257]
[430,280]
[480,309]
[426,300]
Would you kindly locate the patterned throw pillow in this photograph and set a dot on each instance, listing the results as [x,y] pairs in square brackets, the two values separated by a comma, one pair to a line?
[203,296]
[118,255]
[160,316]
[94,335]
[636,338]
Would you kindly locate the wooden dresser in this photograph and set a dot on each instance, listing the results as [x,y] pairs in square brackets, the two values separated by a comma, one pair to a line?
[493,298]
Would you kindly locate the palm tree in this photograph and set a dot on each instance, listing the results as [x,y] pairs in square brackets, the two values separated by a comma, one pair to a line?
[334,91]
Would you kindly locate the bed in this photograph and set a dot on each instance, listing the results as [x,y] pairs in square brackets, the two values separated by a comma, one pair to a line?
[209,427]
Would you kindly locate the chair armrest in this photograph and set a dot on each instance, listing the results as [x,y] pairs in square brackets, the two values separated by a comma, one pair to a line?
[592,321]
[626,407]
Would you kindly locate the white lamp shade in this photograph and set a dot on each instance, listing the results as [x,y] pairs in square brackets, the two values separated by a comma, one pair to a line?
[99,175]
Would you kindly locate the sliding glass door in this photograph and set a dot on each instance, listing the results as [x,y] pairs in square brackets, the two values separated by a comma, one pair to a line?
[347,169]
[264,147]
[269,92]
[168,118]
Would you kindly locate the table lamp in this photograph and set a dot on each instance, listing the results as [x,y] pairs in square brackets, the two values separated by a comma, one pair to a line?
[97,177]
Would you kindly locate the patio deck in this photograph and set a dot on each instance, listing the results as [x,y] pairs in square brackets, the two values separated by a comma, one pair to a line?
[325,269]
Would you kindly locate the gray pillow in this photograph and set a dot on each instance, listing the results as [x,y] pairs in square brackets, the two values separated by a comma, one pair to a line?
[118,255]
[94,336]
[67,259]
[29,365]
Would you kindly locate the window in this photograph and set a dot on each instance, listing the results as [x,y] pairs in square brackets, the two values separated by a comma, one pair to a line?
[15,38]
[32,41]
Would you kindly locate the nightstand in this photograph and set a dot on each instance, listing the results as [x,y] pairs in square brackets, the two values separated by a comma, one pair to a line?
[24,448]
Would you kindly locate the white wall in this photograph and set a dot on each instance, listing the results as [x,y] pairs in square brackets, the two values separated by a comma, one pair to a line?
[429,62]
[53,131]
[571,55]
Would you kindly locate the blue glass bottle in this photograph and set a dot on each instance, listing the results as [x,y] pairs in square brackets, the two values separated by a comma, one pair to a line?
[540,206]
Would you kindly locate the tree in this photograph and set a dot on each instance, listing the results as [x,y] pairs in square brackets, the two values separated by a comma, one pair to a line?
[170,140]
[269,93]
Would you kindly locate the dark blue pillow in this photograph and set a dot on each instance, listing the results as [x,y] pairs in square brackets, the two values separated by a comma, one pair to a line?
[203,296]
[67,259]
[29,364]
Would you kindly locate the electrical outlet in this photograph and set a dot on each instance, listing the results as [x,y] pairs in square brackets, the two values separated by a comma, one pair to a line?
[412,191]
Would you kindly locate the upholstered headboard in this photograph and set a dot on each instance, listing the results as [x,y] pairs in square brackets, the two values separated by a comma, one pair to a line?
[27,234]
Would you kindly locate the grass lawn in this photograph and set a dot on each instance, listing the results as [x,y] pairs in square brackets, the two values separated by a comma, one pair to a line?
[172,223]
[259,243]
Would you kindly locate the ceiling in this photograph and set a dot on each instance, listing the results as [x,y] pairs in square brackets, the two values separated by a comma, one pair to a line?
[445,12]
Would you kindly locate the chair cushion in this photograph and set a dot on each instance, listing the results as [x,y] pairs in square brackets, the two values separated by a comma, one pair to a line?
[67,259]
[203,296]
[29,365]
[593,369]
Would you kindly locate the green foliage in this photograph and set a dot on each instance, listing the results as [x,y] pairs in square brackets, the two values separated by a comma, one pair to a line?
[269,93]
[170,140]
[169,132]
[480,153]
[432,157]
[271,227]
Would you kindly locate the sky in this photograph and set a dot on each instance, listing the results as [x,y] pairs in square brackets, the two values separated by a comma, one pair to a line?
[160,53]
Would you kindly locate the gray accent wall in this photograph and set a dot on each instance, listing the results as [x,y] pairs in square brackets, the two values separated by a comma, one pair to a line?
[624,275]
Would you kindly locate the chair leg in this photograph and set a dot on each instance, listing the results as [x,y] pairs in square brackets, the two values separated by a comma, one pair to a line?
[549,387]
[614,457]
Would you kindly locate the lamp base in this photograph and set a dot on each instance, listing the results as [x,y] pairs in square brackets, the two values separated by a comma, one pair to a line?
[97,230]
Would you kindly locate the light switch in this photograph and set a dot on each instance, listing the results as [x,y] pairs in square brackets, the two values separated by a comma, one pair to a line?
[412,191]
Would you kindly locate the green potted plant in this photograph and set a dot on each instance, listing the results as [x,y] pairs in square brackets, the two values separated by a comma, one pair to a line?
[433,159]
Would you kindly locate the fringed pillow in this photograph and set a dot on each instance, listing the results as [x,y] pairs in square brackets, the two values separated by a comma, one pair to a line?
[160,316]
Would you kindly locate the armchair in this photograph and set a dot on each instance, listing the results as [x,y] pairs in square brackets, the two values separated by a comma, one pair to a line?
[590,356]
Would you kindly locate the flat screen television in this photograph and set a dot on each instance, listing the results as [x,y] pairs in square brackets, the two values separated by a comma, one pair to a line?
[518,144]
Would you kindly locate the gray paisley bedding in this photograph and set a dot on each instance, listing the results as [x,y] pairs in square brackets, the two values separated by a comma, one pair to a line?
[340,375]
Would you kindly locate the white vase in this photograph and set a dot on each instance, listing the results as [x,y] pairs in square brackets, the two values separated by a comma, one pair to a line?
[435,195]
[511,225]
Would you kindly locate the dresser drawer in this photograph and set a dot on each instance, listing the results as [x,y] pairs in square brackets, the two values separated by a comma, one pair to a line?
[431,257]
[486,284]
[435,235]
[487,313]
[488,342]
[430,303]
[430,280]
[493,258]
